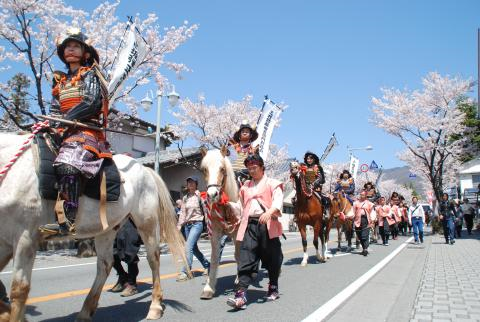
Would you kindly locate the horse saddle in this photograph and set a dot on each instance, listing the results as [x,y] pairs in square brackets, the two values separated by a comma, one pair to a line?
[91,187]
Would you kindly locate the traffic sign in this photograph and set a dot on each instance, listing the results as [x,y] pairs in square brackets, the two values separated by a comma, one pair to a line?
[364,167]
[373,165]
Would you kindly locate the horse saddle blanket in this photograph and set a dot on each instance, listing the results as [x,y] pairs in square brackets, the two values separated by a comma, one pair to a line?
[91,189]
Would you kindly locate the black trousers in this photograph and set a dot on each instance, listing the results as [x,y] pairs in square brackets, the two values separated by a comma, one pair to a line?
[394,229]
[385,231]
[363,232]
[256,246]
[469,222]
[129,277]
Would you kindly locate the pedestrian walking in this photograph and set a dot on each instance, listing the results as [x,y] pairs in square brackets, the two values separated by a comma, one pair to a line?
[261,199]
[447,217]
[458,218]
[403,224]
[416,218]
[362,209]
[395,214]
[125,248]
[384,220]
[468,214]
[192,220]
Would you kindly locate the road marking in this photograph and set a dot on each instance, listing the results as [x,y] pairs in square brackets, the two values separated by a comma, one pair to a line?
[148,280]
[322,312]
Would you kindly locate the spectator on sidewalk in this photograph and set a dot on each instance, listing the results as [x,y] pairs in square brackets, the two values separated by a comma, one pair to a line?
[416,218]
[458,218]
[125,248]
[468,214]
[447,217]
[191,219]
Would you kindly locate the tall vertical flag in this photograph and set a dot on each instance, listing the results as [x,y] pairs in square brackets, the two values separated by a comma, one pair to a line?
[354,162]
[268,119]
[331,144]
[131,55]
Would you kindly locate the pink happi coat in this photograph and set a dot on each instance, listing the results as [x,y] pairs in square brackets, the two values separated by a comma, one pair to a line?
[264,195]
[359,209]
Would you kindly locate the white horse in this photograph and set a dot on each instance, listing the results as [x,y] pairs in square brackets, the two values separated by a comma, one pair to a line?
[220,177]
[143,196]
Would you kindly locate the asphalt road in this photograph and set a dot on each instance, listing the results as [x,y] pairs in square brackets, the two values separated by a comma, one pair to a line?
[60,284]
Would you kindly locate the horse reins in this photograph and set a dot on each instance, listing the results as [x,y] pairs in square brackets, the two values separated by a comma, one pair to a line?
[213,208]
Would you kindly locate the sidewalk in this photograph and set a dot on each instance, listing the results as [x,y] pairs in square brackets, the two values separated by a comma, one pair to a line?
[450,285]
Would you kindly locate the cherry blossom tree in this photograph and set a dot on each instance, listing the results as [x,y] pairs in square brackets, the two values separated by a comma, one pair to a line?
[387,187]
[27,41]
[213,126]
[425,121]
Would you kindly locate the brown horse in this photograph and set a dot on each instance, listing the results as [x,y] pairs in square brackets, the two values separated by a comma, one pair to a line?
[341,214]
[309,211]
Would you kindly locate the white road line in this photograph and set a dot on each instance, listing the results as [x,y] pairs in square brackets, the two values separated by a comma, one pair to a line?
[207,253]
[327,308]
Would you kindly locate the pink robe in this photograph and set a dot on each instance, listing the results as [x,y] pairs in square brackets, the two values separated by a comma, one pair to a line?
[264,196]
[362,208]
[384,212]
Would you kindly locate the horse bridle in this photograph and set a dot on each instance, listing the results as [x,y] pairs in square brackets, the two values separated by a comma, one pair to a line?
[345,202]
[219,186]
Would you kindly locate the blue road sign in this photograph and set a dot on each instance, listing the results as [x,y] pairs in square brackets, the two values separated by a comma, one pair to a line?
[373,165]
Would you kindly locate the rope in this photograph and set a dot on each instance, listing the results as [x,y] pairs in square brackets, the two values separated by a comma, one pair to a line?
[25,145]
[213,213]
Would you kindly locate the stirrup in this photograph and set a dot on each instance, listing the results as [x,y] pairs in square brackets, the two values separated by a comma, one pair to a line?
[59,230]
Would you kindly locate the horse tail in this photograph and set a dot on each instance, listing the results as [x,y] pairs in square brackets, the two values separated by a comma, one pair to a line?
[168,222]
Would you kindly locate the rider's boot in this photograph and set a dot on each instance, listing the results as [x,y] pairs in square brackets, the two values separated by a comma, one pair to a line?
[66,208]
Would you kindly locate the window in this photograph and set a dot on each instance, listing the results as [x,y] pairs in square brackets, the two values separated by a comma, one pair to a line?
[475,179]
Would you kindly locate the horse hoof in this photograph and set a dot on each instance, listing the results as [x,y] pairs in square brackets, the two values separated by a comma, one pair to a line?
[155,313]
[303,264]
[206,295]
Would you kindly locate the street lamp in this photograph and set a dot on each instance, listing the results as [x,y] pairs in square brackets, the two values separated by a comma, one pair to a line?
[365,148]
[147,103]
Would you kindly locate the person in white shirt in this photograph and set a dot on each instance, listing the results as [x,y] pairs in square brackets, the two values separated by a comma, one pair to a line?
[416,218]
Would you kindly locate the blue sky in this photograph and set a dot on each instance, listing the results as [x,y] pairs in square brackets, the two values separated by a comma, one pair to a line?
[325,59]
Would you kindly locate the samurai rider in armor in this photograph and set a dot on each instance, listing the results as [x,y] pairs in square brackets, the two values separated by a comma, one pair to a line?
[314,175]
[77,96]
[241,148]
[346,184]
[371,192]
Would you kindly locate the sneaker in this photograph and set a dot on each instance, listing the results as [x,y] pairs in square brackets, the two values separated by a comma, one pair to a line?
[120,286]
[416,242]
[51,230]
[452,242]
[238,302]
[386,244]
[272,293]
[182,277]
[129,290]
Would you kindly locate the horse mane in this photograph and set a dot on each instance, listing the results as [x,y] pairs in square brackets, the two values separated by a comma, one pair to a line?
[215,156]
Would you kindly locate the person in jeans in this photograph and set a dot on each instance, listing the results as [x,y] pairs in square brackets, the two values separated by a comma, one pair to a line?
[191,220]
[416,218]
[469,214]
[458,218]
[447,217]
[259,231]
